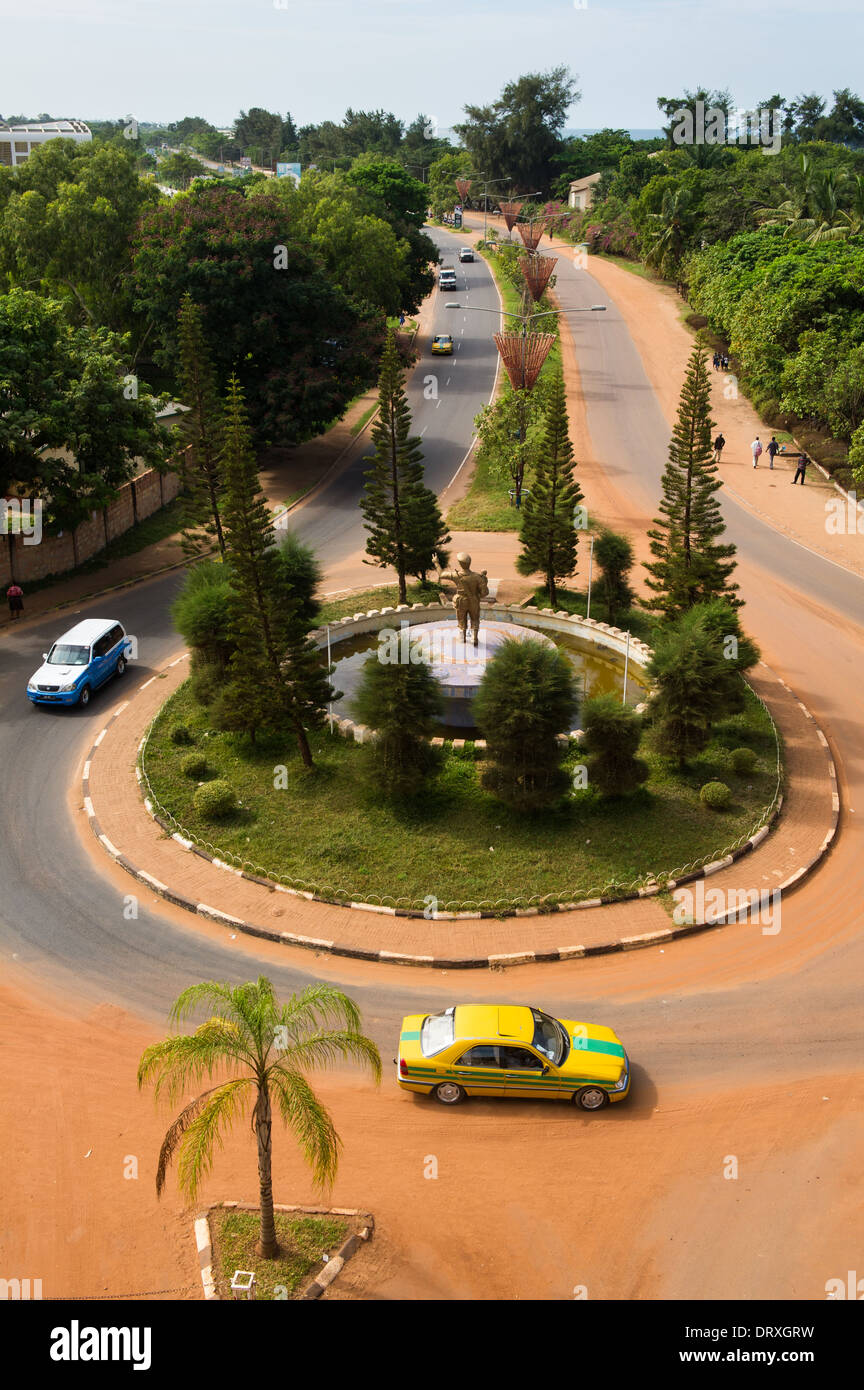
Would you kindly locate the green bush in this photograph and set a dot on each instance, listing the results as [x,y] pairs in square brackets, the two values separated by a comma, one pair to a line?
[716,795]
[215,800]
[743,761]
[194,765]
[181,735]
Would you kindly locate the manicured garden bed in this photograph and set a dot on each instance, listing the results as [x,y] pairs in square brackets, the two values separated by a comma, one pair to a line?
[303,1240]
[325,832]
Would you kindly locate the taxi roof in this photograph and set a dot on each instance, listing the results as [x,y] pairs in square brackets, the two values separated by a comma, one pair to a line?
[476,1021]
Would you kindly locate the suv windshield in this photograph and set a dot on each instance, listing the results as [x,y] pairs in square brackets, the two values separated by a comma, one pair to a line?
[436,1033]
[60,655]
[549,1037]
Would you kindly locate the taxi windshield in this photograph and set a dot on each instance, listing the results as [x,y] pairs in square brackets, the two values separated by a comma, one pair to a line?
[436,1033]
[62,655]
[549,1037]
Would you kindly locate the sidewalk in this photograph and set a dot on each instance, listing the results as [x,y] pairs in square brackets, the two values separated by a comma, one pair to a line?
[186,876]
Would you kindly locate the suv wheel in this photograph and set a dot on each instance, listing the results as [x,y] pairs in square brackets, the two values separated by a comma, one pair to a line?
[84,697]
[121,665]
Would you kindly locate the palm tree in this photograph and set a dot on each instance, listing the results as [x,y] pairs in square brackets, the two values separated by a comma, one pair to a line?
[667,233]
[269,1046]
[811,211]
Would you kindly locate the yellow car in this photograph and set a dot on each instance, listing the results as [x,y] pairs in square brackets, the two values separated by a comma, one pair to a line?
[510,1050]
[443,344]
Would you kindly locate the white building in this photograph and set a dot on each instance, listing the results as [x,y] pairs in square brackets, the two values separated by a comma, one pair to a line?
[582,193]
[17,141]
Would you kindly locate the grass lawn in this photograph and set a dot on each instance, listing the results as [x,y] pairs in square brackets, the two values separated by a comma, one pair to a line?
[364,418]
[303,1240]
[326,832]
[385,597]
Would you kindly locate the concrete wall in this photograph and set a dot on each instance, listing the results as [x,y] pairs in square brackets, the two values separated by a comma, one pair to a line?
[136,500]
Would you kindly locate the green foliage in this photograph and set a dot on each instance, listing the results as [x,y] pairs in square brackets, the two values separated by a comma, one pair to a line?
[611,745]
[66,219]
[525,700]
[690,566]
[64,388]
[402,701]
[301,572]
[215,800]
[613,554]
[194,765]
[200,466]
[549,536]
[275,677]
[178,170]
[400,513]
[201,613]
[300,349]
[180,735]
[518,136]
[716,795]
[697,678]
[743,761]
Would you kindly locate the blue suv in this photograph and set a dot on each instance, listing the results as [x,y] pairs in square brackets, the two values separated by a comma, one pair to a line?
[79,662]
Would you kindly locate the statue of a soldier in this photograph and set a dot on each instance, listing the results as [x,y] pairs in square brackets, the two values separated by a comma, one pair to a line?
[470,588]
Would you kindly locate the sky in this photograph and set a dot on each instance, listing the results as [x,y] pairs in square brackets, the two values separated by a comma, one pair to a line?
[162,59]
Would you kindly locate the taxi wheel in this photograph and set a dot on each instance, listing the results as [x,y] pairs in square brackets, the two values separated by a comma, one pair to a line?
[84,697]
[591,1098]
[449,1093]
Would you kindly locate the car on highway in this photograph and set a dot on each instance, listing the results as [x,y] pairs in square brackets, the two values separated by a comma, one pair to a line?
[447,278]
[84,658]
[442,343]
[510,1050]
[466,254]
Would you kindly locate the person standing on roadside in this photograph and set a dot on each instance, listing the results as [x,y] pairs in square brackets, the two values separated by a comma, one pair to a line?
[756,450]
[719,446]
[15,599]
[716,361]
[772,451]
[801,470]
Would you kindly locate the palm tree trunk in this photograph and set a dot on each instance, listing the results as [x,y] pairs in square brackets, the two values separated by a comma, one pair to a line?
[268,1246]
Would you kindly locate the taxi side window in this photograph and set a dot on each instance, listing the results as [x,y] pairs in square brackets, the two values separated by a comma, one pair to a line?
[483,1055]
[519,1059]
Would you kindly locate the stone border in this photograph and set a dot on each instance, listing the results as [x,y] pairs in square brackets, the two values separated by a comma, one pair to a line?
[493,962]
[350,1245]
[601,635]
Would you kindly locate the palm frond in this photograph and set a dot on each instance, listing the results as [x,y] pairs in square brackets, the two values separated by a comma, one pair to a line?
[323,1048]
[176,1062]
[310,1123]
[206,1112]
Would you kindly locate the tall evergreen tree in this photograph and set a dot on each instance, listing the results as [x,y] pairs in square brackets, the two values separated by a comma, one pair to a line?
[690,566]
[402,701]
[691,686]
[401,515]
[526,699]
[201,471]
[614,555]
[549,536]
[275,675]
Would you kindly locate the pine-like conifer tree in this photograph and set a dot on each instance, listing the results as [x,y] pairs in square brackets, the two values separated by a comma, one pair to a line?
[549,535]
[690,566]
[201,470]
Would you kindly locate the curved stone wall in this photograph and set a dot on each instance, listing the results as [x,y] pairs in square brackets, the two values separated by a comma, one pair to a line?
[600,635]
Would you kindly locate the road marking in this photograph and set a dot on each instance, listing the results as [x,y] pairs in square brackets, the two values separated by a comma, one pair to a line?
[423,431]
[447,382]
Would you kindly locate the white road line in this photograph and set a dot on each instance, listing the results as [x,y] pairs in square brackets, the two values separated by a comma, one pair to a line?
[423,431]
[447,382]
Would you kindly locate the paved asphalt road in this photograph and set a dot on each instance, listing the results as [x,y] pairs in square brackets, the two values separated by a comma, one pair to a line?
[63,918]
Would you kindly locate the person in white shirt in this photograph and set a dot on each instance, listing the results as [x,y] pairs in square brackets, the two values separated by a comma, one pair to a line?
[756,450]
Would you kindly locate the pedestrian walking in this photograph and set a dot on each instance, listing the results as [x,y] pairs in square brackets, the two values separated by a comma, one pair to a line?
[801,470]
[15,599]
[402,320]
[772,451]
[724,362]
[756,450]
[716,361]
[719,446]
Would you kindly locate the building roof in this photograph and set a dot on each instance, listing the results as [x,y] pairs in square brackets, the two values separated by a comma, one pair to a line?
[61,127]
[587,182]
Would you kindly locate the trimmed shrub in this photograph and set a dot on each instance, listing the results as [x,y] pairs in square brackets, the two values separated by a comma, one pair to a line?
[194,765]
[716,795]
[215,800]
[743,761]
[181,735]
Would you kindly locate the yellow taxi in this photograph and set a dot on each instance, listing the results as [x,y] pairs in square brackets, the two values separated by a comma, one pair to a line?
[443,343]
[510,1050]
